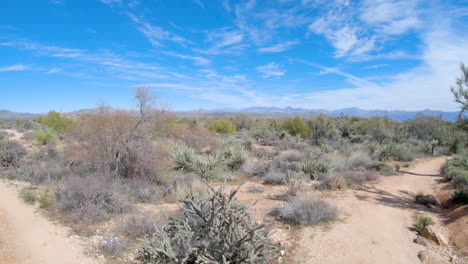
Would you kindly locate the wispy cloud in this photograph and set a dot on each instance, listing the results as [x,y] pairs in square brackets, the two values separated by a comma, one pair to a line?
[278,47]
[199,3]
[15,67]
[155,34]
[270,69]
[197,59]
[54,71]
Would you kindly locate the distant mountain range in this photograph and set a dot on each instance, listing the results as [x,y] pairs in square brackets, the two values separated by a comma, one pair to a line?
[268,112]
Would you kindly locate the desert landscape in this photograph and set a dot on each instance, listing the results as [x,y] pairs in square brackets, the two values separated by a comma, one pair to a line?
[233,132]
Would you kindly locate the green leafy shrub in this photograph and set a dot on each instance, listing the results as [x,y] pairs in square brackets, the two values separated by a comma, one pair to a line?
[222,126]
[461,197]
[422,221]
[296,126]
[45,200]
[55,121]
[306,211]
[216,229]
[11,152]
[45,136]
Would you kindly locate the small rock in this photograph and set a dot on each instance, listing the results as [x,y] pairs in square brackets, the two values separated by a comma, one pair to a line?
[427,200]
[431,257]
[431,233]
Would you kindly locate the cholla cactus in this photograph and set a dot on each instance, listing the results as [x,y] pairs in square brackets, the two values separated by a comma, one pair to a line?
[217,229]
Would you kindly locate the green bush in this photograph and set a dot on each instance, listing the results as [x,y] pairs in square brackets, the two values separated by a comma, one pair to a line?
[45,136]
[55,121]
[216,229]
[461,197]
[222,126]
[422,221]
[296,126]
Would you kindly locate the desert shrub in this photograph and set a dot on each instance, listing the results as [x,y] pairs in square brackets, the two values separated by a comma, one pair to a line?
[24,124]
[376,128]
[206,166]
[296,126]
[45,136]
[112,246]
[427,200]
[348,178]
[384,169]
[263,153]
[55,121]
[140,159]
[395,151]
[291,156]
[304,211]
[45,200]
[38,173]
[314,166]
[138,226]
[142,191]
[274,177]
[91,198]
[456,171]
[255,168]
[242,122]
[182,156]
[11,153]
[461,197]
[234,155]
[336,182]
[460,180]
[286,166]
[28,196]
[215,229]
[4,135]
[222,126]
[196,137]
[322,128]
[422,221]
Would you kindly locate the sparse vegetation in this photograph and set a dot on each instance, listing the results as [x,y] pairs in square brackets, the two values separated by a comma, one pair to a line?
[422,221]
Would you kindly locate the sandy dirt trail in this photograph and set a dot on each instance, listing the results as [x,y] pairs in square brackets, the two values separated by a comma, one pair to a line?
[26,237]
[377,223]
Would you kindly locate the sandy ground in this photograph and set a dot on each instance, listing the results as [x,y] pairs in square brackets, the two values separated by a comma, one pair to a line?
[377,227]
[26,237]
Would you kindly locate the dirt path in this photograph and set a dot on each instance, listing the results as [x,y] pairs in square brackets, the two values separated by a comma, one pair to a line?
[377,225]
[26,237]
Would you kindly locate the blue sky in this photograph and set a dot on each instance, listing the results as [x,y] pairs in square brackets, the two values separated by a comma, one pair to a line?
[328,54]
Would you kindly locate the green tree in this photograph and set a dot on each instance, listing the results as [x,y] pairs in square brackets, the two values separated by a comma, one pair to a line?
[55,121]
[222,126]
[461,91]
[296,126]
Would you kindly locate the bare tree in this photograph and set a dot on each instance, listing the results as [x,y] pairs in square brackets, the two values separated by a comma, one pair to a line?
[461,91]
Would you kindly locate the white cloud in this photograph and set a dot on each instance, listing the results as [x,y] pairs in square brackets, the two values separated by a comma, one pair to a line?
[15,67]
[53,71]
[270,69]
[197,59]
[278,47]
[155,34]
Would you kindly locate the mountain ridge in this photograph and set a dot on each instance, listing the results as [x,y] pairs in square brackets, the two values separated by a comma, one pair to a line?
[260,111]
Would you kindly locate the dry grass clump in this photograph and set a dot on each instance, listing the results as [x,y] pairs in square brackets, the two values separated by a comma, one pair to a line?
[92,198]
[292,156]
[304,211]
[138,226]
